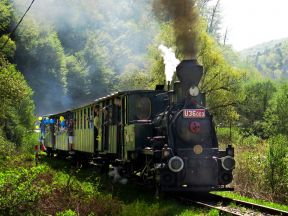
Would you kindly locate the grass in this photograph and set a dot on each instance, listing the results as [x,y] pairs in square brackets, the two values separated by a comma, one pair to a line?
[57,188]
[235,195]
[135,199]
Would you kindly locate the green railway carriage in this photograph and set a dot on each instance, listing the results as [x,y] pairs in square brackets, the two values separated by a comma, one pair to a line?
[83,130]
[57,137]
[112,127]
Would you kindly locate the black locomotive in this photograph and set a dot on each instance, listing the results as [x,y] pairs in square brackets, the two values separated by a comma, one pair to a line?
[164,137]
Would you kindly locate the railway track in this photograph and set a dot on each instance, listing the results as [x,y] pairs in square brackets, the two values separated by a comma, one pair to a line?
[228,206]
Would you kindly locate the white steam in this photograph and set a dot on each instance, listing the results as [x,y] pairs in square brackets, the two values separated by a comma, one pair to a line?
[170,61]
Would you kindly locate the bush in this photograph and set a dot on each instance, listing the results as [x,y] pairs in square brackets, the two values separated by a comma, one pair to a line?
[250,156]
[7,149]
[29,141]
[21,187]
[223,136]
[262,167]
[277,166]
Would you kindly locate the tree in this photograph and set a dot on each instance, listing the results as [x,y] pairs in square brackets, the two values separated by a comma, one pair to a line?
[17,107]
[77,88]
[277,169]
[40,56]
[276,116]
[258,95]
[133,78]
[221,82]
[5,19]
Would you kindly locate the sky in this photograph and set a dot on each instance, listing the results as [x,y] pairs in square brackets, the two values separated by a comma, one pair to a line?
[252,22]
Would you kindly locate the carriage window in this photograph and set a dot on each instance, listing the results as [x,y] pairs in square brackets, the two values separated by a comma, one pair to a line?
[143,108]
[116,116]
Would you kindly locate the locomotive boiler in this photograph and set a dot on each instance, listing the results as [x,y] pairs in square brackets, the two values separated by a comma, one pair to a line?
[165,137]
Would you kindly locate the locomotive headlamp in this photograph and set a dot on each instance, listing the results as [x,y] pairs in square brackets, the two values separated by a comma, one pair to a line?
[198,149]
[228,163]
[194,91]
[175,164]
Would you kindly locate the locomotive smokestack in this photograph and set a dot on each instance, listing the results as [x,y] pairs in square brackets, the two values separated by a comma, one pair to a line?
[189,72]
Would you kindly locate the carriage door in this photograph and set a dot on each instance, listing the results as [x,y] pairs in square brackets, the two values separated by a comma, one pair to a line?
[107,113]
[117,119]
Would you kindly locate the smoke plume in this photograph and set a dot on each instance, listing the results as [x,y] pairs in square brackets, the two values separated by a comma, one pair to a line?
[184,15]
[170,61]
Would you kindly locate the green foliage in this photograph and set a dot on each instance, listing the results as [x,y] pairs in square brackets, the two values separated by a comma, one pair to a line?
[156,208]
[41,58]
[276,118]
[221,82]
[82,56]
[250,165]
[90,189]
[5,15]
[28,142]
[6,149]
[270,58]
[133,79]
[223,136]
[277,166]
[157,67]
[213,212]
[9,48]
[16,108]
[20,187]
[261,161]
[76,80]
[68,212]
[258,95]
[100,73]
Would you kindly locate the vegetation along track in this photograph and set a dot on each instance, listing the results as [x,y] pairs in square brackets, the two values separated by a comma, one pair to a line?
[230,206]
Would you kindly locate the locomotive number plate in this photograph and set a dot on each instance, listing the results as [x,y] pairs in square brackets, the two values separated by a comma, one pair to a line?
[194,113]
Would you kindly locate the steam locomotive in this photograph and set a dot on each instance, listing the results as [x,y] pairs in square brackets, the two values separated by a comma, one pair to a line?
[162,136]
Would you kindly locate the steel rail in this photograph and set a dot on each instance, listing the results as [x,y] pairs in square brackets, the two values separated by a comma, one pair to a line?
[250,205]
[207,205]
[213,201]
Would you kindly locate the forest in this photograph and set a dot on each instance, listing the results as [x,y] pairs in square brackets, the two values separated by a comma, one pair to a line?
[269,58]
[70,52]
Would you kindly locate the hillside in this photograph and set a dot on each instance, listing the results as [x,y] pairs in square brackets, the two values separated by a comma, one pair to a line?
[269,58]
